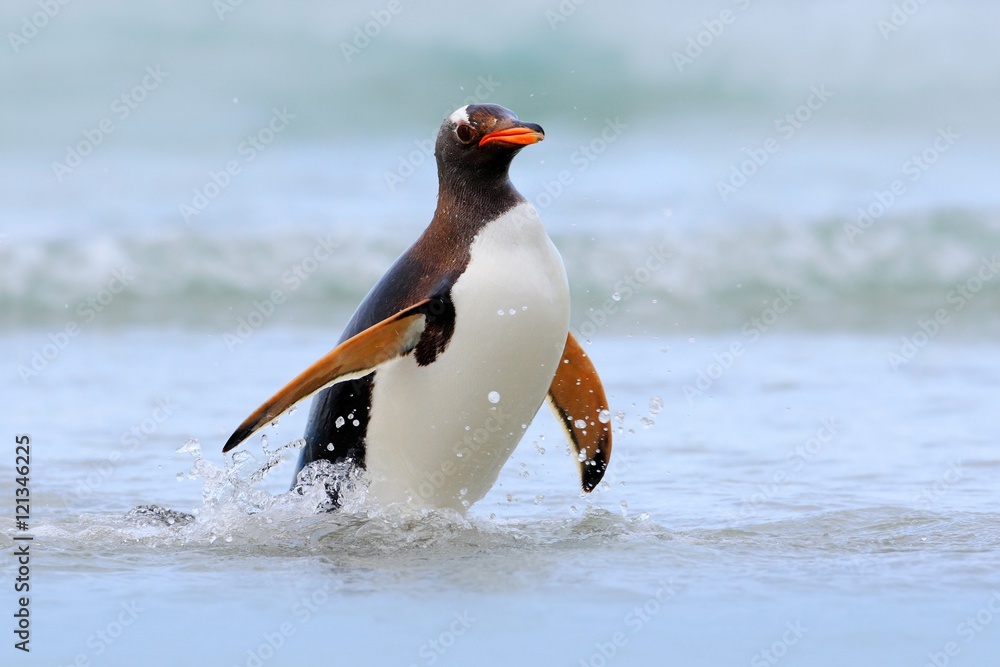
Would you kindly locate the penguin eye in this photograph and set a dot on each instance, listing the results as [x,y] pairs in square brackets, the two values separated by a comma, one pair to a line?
[465,133]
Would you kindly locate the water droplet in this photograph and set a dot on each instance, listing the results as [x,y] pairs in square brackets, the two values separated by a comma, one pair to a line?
[329,447]
[646,422]
[539,498]
[292,409]
[463,491]
[192,446]
[356,423]
[500,312]
[524,308]
[655,405]
[494,397]
[180,477]
[340,422]
[579,423]
[581,456]
[510,498]
[512,312]
[624,506]
[541,450]
[229,538]
[263,441]
[616,296]
[604,416]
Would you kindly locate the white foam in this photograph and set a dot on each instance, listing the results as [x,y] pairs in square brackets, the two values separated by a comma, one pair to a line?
[460,115]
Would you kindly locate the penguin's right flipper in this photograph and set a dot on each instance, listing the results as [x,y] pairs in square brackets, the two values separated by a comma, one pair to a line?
[356,357]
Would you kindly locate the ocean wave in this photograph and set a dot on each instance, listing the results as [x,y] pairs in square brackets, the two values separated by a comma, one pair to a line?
[601,60]
[832,274]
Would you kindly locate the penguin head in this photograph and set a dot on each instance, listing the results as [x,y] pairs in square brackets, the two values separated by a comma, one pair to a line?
[480,140]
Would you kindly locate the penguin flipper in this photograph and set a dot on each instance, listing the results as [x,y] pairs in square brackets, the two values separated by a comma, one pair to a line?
[577,398]
[356,357]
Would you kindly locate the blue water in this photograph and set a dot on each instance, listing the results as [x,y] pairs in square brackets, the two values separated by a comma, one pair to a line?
[805,461]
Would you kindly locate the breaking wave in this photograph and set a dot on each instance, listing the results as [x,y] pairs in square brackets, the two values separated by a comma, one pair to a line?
[654,280]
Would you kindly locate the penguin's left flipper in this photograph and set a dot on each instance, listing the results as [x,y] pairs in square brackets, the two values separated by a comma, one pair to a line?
[356,357]
[577,398]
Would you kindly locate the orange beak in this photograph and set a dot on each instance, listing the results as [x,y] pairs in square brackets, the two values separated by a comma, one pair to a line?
[520,135]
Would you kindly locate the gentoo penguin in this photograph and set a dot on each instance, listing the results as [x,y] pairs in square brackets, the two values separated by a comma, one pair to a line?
[448,358]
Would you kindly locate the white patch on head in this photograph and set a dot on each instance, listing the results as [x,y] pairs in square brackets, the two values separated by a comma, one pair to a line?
[460,115]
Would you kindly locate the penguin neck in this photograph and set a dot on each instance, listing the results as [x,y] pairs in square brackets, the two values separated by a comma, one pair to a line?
[467,202]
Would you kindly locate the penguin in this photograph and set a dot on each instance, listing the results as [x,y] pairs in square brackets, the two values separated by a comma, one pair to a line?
[449,357]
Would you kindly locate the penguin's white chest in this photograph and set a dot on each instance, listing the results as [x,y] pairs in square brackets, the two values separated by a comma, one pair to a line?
[439,434]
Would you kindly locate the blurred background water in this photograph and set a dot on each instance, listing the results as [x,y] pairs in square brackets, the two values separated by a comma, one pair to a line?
[781,223]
